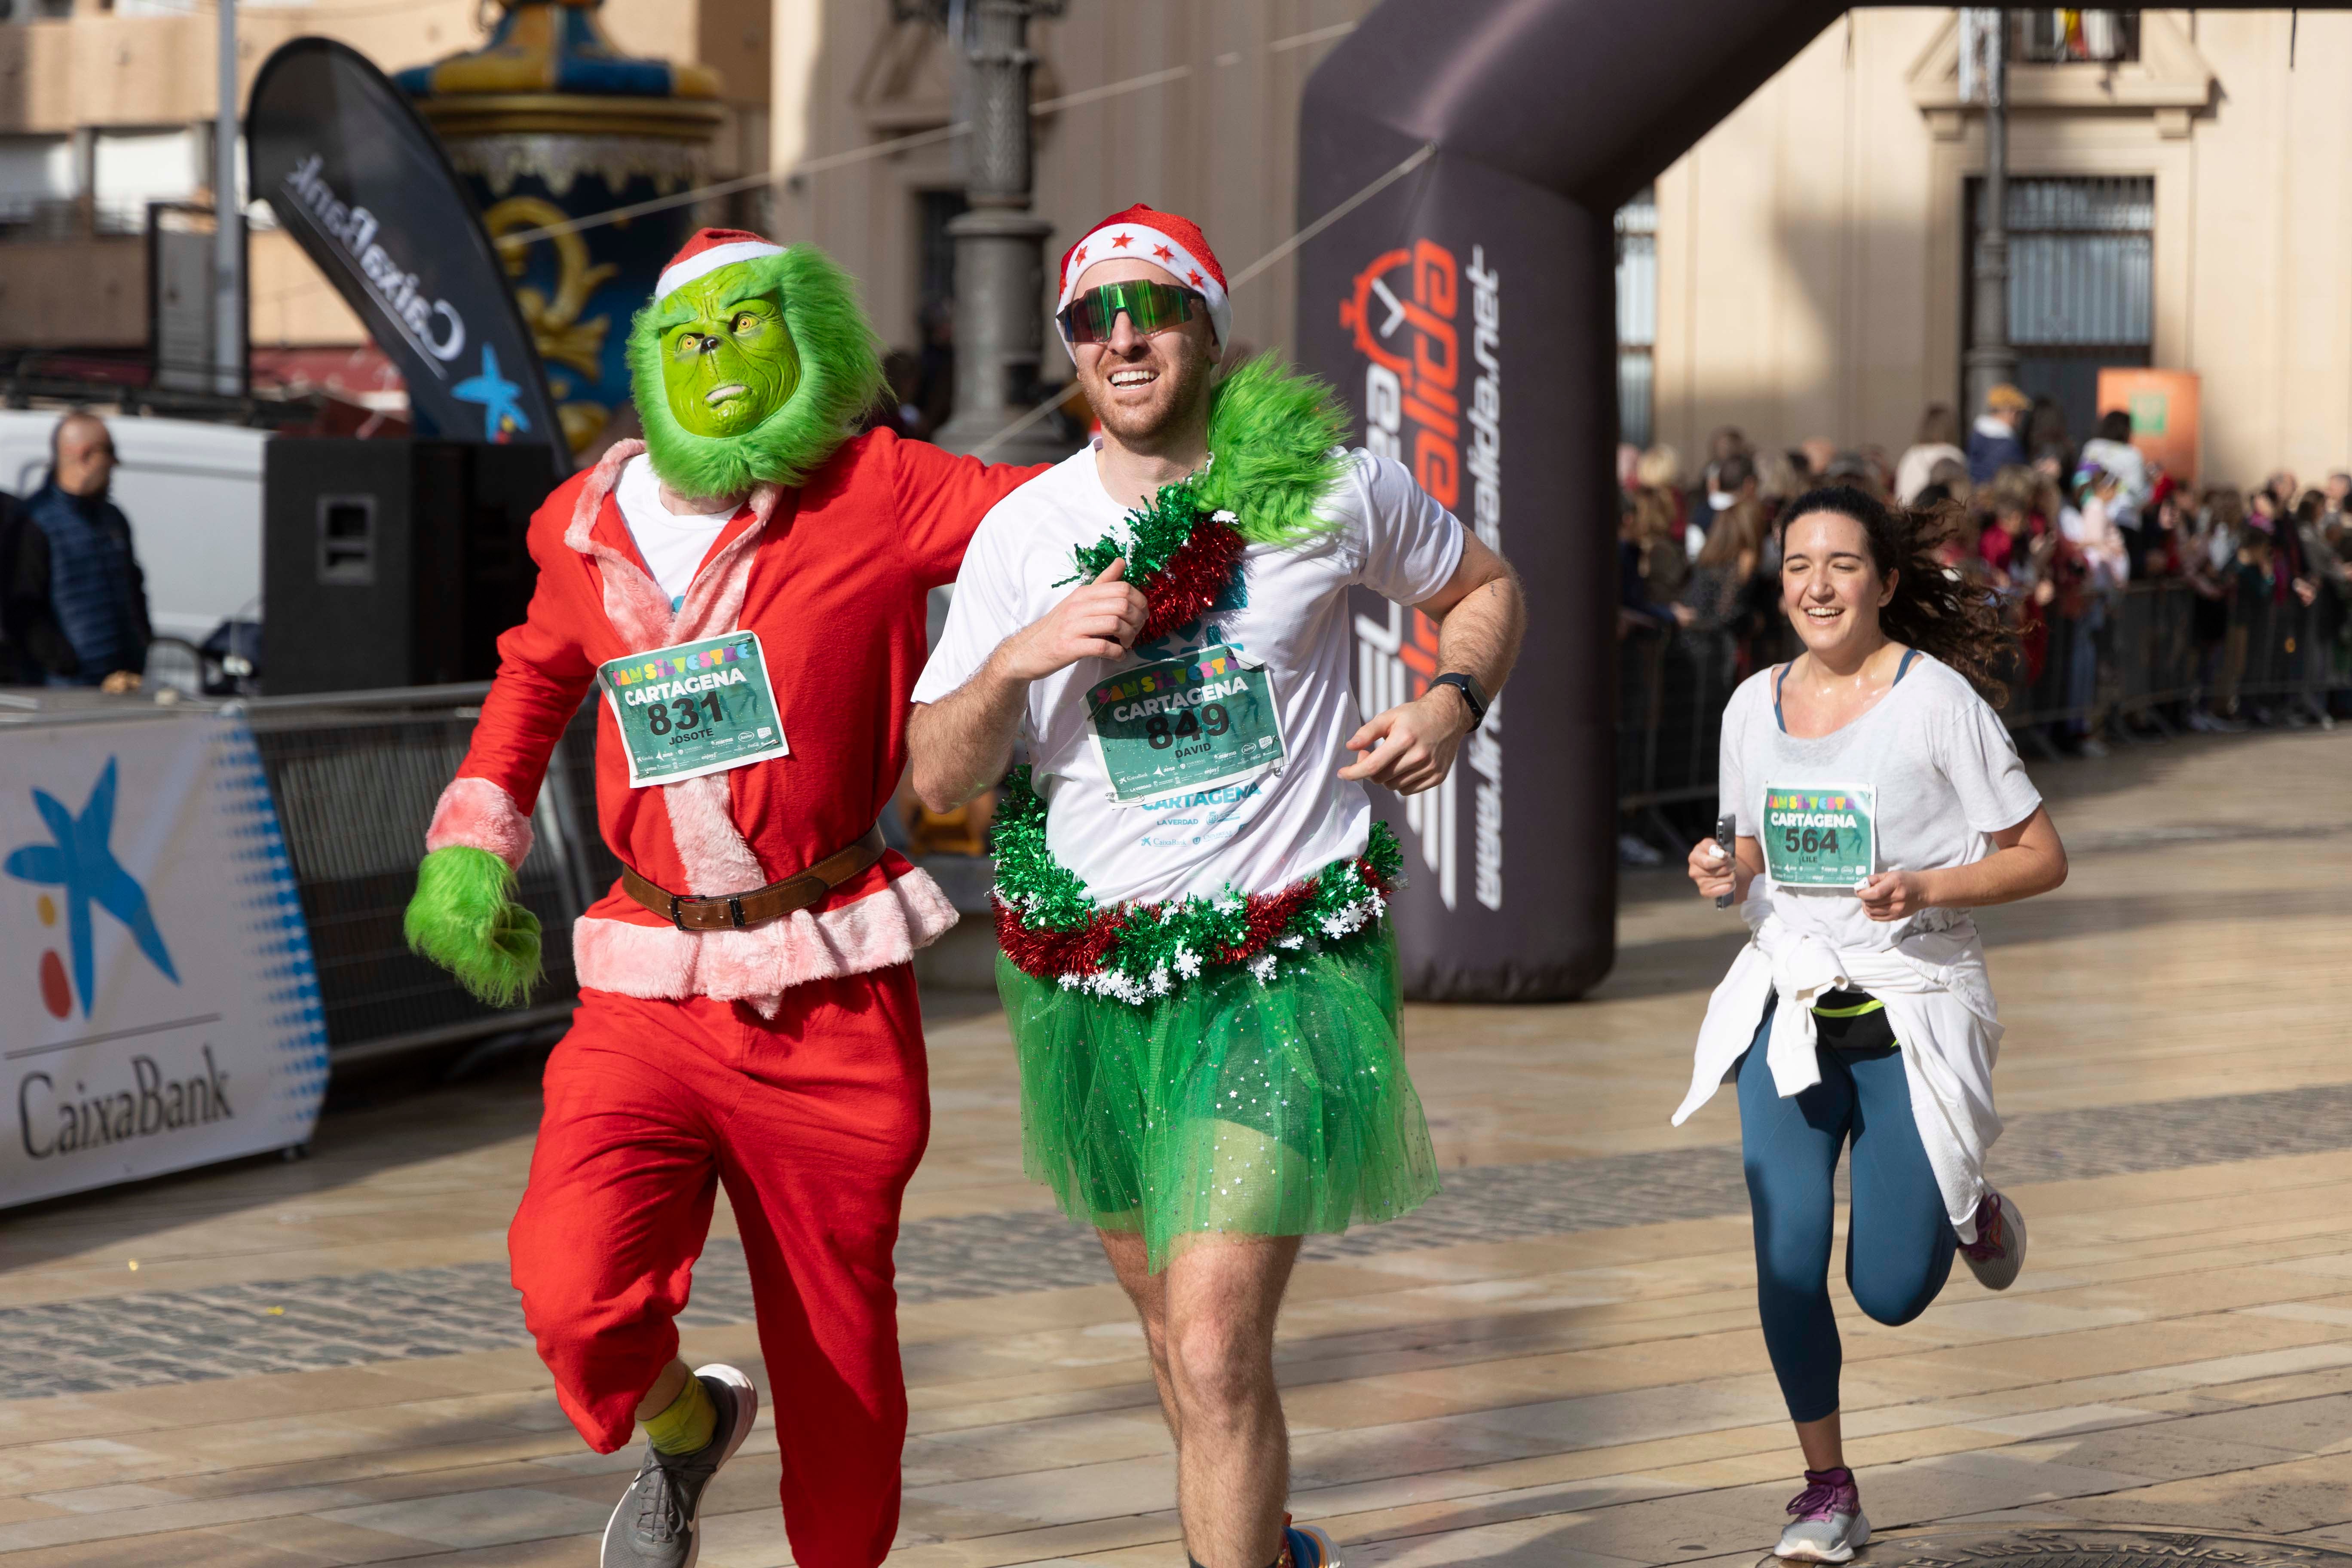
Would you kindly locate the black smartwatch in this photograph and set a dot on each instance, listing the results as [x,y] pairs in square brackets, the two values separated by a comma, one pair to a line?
[1470,694]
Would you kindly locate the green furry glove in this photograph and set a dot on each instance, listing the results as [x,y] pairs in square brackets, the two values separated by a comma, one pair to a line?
[463,920]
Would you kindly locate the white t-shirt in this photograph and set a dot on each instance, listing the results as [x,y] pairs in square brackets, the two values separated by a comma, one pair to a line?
[1942,773]
[672,543]
[1256,835]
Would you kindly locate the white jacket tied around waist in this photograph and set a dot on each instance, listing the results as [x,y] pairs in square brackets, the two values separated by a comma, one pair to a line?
[1938,999]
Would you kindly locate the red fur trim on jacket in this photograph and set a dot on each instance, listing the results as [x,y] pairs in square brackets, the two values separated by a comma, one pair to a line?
[885,927]
[480,816]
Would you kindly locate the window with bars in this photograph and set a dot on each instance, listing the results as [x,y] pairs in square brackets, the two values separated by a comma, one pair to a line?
[2081,276]
[1637,318]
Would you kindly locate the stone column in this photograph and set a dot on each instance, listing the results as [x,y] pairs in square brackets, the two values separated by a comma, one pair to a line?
[1990,359]
[1000,299]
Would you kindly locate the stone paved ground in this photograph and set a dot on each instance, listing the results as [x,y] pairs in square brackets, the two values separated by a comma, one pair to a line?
[1554,1365]
[299,1325]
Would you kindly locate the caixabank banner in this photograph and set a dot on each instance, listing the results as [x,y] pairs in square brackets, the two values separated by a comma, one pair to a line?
[155,974]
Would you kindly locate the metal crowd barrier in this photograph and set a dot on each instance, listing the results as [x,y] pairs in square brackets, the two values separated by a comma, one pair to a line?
[2135,664]
[356,775]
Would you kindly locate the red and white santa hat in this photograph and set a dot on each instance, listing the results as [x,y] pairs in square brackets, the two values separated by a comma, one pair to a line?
[706,252]
[1173,243]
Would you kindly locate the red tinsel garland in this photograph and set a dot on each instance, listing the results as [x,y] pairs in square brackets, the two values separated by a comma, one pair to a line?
[1049,954]
[1188,587]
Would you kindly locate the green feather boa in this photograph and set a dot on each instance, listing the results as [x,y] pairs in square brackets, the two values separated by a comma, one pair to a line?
[1279,440]
[841,375]
[464,918]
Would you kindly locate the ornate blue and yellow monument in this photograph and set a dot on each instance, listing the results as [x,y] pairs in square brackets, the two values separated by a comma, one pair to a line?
[548,123]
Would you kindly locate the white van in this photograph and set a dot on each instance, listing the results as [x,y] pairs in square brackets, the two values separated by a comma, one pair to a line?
[191,491]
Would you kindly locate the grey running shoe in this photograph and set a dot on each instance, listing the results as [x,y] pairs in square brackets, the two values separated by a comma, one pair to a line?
[1829,1526]
[656,1522]
[1998,1250]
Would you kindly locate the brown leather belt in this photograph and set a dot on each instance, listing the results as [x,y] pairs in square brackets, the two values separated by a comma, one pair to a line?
[735,911]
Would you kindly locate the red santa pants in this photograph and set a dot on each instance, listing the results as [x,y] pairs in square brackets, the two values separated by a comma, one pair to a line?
[812,1121]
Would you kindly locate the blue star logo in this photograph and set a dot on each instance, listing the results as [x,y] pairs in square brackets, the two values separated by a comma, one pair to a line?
[501,399]
[82,862]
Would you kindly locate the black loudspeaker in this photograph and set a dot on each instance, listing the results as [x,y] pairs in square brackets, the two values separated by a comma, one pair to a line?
[394,562]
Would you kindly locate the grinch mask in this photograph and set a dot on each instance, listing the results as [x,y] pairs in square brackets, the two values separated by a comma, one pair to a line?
[754,373]
[730,363]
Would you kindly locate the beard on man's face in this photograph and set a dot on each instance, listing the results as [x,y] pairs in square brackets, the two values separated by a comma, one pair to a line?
[1174,370]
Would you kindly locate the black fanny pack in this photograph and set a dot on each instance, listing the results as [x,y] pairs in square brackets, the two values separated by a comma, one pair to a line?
[1853,1021]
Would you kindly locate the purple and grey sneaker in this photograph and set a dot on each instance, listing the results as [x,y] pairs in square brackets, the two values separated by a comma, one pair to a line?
[1828,1525]
[1998,1250]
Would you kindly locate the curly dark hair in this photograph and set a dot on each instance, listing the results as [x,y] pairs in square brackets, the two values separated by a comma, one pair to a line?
[1935,609]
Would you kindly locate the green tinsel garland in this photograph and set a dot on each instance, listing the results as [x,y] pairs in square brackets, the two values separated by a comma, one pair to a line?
[1050,926]
[1028,878]
[1154,534]
[1277,445]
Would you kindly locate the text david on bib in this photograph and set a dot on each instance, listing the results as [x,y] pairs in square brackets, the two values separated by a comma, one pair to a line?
[1185,724]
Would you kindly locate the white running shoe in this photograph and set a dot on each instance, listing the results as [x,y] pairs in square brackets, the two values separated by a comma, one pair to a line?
[1829,1526]
[1998,1250]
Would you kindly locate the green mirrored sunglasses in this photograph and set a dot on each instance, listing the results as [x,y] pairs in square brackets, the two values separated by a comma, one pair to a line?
[1152,307]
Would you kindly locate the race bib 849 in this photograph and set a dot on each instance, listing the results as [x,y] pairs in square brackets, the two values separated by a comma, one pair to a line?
[1185,724]
[1820,835]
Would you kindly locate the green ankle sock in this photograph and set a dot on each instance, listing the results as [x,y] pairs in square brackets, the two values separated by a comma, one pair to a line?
[685,1427]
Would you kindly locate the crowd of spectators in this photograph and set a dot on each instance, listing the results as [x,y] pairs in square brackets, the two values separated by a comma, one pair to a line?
[2058,529]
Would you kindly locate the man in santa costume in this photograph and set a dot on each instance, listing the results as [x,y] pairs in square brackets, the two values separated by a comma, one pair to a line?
[1197,969]
[743,592]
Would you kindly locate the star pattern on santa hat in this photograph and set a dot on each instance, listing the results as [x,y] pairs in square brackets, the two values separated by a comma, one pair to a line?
[1172,241]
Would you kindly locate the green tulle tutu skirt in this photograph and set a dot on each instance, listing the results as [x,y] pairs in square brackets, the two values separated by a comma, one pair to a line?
[1229,1107]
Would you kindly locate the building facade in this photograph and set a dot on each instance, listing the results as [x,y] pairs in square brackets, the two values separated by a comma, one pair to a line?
[1191,107]
[1804,270]
[106,108]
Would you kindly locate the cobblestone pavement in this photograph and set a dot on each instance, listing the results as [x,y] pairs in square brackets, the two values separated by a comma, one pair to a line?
[341,1321]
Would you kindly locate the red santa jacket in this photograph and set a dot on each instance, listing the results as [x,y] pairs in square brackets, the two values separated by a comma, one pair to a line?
[833,578]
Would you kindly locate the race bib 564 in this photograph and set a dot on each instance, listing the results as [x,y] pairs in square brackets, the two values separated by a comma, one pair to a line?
[1820,835]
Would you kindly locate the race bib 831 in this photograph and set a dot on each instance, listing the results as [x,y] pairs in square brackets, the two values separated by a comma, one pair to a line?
[1820,835]
[693,708]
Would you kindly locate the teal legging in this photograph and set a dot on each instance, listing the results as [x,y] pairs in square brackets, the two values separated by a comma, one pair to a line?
[1900,1243]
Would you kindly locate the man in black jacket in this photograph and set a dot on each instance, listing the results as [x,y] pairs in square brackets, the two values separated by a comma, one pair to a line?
[71,594]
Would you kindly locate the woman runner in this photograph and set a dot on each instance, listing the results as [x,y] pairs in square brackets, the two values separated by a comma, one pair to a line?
[1877,800]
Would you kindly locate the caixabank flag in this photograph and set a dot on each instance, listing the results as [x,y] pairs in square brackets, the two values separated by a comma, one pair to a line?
[154,969]
[366,191]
